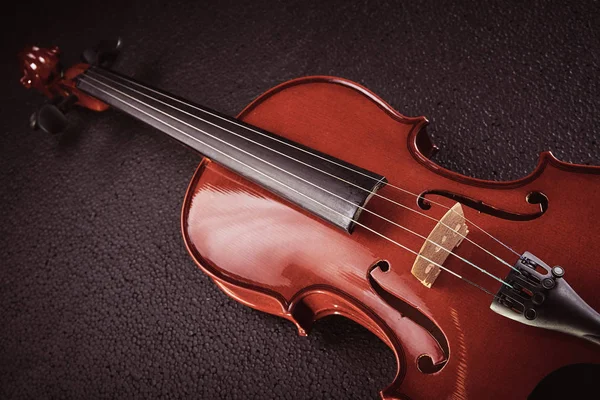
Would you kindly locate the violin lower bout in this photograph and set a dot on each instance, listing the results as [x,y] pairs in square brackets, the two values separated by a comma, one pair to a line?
[272,256]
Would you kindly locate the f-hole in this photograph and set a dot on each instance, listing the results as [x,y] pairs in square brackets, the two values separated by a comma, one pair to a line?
[424,362]
[532,198]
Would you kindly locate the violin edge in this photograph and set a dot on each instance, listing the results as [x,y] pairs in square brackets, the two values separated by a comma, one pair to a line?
[419,142]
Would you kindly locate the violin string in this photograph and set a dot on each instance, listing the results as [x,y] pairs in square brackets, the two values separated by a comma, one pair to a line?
[309,165]
[300,149]
[304,180]
[312,184]
[290,188]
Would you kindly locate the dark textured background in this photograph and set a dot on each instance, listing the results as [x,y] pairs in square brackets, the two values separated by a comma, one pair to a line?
[98,297]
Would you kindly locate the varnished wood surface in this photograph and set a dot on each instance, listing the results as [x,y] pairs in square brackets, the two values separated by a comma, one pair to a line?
[276,258]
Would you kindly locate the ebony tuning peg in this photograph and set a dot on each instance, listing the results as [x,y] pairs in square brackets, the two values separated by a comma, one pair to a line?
[104,54]
[51,117]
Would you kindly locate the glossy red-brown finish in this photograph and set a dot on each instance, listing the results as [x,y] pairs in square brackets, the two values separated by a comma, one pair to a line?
[41,71]
[274,257]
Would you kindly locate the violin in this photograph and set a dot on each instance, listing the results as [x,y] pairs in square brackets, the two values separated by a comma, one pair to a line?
[319,199]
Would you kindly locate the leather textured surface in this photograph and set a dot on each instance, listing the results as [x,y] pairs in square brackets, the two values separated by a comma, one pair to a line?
[98,297]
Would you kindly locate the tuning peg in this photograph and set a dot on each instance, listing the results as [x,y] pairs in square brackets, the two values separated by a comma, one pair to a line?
[51,117]
[104,54]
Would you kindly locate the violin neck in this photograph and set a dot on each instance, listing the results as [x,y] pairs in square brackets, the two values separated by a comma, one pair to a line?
[312,180]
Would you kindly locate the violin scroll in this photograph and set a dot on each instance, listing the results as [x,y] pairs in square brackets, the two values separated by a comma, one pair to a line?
[43,72]
[41,68]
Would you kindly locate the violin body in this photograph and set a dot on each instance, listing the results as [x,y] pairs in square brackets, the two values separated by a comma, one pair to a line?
[273,256]
[268,250]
